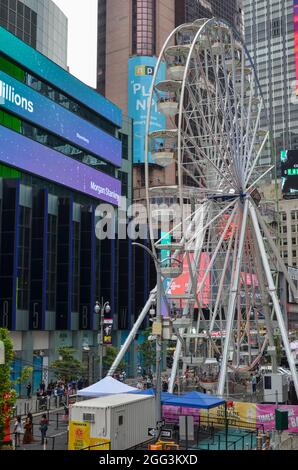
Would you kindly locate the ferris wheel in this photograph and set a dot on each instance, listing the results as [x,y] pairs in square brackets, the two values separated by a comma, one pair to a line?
[216,255]
[216,266]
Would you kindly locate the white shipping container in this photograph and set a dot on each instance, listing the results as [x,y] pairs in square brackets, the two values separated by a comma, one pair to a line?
[124,418]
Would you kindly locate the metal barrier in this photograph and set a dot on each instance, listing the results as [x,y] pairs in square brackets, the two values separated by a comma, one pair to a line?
[98,446]
[48,439]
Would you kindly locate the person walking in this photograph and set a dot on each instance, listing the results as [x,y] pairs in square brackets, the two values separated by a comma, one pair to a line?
[254,384]
[43,427]
[18,430]
[28,435]
[42,387]
[29,388]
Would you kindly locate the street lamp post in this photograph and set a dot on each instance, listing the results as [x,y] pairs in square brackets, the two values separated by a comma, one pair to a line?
[102,309]
[159,335]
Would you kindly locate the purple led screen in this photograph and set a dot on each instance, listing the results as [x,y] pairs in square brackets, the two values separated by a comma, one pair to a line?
[32,157]
[37,109]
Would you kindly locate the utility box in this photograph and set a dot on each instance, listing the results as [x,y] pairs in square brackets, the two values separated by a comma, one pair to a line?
[281,420]
[275,383]
[122,419]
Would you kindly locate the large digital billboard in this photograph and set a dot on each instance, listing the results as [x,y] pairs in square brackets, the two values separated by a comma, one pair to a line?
[289,172]
[22,153]
[32,106]
[140,74]
[296,40]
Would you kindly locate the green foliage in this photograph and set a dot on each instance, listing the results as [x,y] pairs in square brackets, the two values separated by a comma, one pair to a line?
[7,394]
[147,350]
[68,368]
[25,375]
[109,358]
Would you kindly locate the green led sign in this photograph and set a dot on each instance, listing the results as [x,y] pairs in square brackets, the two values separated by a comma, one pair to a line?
[291,172]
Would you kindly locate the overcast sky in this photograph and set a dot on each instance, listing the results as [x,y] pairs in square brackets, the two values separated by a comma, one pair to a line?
[82,37]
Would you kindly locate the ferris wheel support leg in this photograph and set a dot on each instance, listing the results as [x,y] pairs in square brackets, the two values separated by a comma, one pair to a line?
[133,333]
[175,366]
[232,304]
[273,294]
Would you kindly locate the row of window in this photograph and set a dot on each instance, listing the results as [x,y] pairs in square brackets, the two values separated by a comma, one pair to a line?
[144,27]
[67,102]
[19,20]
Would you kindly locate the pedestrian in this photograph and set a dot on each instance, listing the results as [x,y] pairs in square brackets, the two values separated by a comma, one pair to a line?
[66,412]
[254,384]
[43,427]
[42,387]
[29,388]
[28,435]
[18,430]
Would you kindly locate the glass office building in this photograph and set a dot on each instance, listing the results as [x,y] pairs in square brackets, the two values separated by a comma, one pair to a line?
[39,23]
[269,35]
[190,10]
[60,157]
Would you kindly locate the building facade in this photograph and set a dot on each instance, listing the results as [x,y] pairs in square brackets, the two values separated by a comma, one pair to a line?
[230,10]
[60,159]
[269,35]
[39,23]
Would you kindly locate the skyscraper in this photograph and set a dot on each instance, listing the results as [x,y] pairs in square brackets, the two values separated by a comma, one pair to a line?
[189,10]
[269,35]
[39,23]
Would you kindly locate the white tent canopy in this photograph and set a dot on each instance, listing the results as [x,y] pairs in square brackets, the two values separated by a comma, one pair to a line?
[106,386]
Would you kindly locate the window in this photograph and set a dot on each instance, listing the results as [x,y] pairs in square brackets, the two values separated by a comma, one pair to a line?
[143,27]
[75,265]
[24,258]
[120,420]
[124,140]
[294,254]
[89,417]
[284,216]
[51,263]
[267,382]
[124,183]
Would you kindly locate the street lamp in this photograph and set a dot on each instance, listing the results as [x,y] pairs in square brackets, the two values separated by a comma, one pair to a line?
[159,333]
[102,309]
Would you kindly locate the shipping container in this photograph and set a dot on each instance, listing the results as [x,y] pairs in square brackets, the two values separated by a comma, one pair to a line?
[123,419]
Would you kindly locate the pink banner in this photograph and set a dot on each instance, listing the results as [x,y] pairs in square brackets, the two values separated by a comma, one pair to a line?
[266,416]
[171,413]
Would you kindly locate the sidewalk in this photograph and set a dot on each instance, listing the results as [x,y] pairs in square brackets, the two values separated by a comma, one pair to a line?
[57,433]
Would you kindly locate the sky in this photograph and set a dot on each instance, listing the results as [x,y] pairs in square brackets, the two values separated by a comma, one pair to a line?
[82,38]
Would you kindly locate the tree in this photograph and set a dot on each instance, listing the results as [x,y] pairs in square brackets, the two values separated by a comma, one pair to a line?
[8,395]
[67,368]
[109,358]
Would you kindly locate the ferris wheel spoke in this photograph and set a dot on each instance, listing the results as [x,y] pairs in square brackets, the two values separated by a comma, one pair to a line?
[216,144]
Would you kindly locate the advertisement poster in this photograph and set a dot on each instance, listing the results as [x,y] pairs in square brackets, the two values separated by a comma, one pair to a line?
[238,412]
[140,73]
[180,284]
[171,413]
[32,157]
[79,438]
